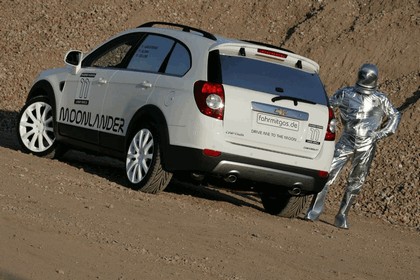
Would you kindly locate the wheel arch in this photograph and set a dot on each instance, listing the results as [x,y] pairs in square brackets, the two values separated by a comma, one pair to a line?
[44,88]
[154,116]
[40,88]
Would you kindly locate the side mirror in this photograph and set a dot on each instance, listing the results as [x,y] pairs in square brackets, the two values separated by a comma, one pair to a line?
[74,59]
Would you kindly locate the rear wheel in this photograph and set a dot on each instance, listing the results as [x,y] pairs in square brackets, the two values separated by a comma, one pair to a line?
[35,128]
[284,204]
[143,165]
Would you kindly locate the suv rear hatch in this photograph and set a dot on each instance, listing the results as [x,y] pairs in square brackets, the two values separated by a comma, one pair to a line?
[274,100]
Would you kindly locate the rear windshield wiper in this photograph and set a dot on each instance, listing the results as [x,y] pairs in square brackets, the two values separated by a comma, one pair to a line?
[294,99]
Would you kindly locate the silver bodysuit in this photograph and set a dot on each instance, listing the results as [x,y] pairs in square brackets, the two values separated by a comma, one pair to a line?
[362,117]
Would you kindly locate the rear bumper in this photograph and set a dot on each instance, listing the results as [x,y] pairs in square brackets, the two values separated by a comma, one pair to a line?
[177,158]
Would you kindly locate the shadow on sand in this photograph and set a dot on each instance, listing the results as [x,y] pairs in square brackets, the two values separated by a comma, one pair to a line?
[113,170]
[410,101]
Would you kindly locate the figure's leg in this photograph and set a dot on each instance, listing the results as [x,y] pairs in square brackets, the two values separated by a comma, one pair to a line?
[359,171]
[341,156]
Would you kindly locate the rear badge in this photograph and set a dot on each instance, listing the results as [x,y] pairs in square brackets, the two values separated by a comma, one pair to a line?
[281,112]
[314,134]
[235,133]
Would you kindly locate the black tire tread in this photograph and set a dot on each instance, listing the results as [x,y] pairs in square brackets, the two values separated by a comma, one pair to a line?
[158,179]
[284,205]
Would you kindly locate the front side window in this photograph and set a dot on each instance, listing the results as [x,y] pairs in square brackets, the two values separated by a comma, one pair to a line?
[113,53]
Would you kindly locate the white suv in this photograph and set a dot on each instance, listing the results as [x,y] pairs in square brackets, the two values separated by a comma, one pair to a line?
[178,100]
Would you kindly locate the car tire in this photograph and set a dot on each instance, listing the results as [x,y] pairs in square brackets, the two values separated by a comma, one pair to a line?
[143,163]
[35,128]
[284,204]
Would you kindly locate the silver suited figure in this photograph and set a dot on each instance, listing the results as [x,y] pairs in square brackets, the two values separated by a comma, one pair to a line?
[363,110]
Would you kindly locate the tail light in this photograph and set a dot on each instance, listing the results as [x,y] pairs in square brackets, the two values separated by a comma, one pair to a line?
[271,53]
[211,153]
[210,99]
[323,174]
[332,125]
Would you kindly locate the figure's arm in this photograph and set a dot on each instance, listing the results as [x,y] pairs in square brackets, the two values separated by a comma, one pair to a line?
[394,118]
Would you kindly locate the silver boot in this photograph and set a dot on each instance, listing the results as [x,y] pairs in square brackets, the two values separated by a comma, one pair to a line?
[341,217]
[317,205]
[341,156]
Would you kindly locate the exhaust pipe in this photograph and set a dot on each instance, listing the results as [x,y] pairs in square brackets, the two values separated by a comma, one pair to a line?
[197,177]
[231,178]
[296,190]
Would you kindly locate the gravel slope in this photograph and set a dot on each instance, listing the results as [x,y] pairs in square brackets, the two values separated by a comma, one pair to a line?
[339,35]
[73,219]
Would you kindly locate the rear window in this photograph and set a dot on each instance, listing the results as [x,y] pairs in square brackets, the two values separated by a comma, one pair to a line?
[271,78]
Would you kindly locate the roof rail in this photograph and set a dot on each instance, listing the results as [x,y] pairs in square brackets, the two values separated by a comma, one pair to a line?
[268,45]
[185,28]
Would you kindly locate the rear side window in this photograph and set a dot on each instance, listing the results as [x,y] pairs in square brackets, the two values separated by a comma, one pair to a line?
[271,78]
[151,54]
[180,61]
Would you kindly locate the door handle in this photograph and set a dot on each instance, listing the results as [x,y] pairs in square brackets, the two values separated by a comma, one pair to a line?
[102,81]
[145,85]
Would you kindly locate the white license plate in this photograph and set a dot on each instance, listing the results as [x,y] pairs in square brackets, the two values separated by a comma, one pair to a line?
[278,122]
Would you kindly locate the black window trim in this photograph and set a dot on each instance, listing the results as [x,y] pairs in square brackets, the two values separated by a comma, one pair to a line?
[142,36]
[176,41]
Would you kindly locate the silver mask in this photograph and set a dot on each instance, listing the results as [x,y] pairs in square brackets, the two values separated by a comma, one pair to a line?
[367,78]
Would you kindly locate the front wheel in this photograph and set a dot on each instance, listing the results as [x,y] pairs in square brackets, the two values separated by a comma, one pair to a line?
[143,164]
[284,204]
[35,128]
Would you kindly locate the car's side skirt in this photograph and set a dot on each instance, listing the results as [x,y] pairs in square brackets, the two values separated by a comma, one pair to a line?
[92,140]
